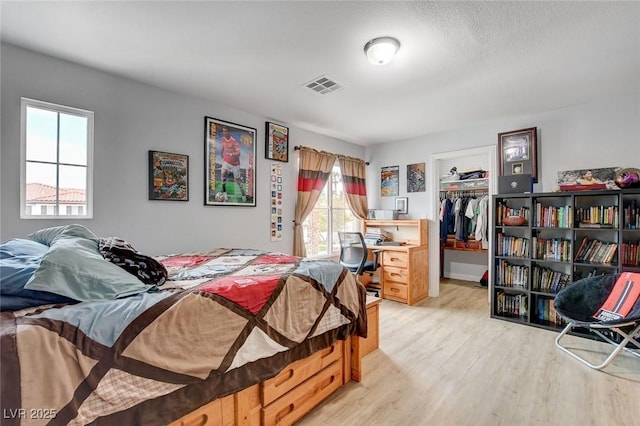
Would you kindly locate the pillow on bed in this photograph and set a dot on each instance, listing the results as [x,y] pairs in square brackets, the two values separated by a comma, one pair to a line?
[74,267]
[47,235]
[19,259]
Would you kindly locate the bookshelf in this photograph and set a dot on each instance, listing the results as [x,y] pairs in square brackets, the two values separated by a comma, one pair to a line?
[565,236]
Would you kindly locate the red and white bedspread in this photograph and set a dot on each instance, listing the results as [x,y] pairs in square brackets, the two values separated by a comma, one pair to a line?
[225,320]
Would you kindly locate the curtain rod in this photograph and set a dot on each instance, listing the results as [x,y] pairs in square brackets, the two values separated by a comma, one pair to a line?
[297,148]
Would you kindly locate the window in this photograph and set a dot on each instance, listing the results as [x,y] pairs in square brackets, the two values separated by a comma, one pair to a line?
[56,161]
[330,215]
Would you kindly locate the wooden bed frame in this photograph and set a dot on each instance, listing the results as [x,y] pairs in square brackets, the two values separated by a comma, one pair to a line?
[297,389]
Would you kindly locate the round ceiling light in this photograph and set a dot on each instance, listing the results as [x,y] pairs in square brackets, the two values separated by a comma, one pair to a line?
[381,50]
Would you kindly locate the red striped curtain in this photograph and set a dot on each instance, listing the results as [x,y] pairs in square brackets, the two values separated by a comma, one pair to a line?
[355,185]
[313,173]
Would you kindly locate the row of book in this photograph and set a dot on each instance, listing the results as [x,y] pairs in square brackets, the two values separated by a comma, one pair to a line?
[598,217]
[546,312]
[512,305]
[595,251]
[508,245]
[548,280]
[509,275]
[631,214]
[553,217]
[558,249]
[502,211]
[630,253]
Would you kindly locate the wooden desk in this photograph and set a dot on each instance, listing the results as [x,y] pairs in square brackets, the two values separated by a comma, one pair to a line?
[404,269]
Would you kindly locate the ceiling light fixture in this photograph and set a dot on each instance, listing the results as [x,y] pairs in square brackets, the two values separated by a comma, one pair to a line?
[381,50]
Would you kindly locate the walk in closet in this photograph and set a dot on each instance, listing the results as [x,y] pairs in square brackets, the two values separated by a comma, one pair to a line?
[464,190]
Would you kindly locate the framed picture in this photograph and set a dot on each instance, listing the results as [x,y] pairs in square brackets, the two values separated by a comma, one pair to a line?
[276,142]
[402,205]
[230,152]
[389,181]
[415,177]
[518,152]
[168,176]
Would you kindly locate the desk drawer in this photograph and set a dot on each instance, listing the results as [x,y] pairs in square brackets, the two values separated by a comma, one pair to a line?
[391,273]
[395,258]
[395,291]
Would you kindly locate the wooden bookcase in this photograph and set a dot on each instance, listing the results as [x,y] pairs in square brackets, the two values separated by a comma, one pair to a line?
[404,269]
[566,236]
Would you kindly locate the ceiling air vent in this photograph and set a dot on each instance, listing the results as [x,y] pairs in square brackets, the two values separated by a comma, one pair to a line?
[323,85]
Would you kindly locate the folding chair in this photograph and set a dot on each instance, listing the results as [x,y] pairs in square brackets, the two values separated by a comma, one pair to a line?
[608,306]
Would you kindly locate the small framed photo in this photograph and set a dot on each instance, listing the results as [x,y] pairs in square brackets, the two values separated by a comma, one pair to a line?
[516,168]
[276,142]
[168,176]
[402,205]
[518,152]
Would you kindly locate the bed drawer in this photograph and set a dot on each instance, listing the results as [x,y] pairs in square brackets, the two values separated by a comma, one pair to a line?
[300,400]
[395,291]
[391,273]
[219,412]
[395,258]
[299,371]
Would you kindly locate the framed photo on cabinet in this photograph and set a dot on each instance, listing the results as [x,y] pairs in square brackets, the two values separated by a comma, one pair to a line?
[518,152]
[230,151]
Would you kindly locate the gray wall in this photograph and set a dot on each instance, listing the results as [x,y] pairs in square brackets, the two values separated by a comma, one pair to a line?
[130,119]
[603,133]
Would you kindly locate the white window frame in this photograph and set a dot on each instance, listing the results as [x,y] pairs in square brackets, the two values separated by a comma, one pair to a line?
[330,209]
[89,115]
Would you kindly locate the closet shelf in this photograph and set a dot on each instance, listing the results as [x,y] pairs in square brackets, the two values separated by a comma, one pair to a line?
[465,185]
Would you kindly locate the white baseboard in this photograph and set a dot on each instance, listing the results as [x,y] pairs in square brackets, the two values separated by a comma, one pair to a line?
[464,277]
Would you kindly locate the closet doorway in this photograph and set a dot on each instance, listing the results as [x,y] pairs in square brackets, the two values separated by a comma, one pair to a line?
[441,164]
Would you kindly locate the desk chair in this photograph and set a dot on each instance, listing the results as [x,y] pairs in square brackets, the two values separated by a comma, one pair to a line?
[353,256]
[606,305]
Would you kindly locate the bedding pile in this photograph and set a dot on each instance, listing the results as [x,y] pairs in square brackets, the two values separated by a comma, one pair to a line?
[225,320]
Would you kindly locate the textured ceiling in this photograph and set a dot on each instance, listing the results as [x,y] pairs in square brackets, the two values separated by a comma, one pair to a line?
[459,63]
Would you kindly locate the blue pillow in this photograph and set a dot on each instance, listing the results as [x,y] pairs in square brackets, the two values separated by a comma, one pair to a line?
[74,267]
[19,259]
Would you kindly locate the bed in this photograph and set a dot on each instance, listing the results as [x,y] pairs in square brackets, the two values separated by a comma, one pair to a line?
[227,336]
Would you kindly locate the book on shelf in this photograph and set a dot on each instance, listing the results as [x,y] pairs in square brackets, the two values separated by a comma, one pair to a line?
[596,251]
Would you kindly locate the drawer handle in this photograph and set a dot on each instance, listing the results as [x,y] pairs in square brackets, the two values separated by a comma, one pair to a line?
[395,258]
[397,290]
[288,409]
[394,274]
[284,377]
[201,420]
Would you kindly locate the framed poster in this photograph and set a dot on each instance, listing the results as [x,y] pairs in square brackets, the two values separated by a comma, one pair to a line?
[168,176]
[518,152]
[416,178]
[230,151]
[276,142]
[389,181]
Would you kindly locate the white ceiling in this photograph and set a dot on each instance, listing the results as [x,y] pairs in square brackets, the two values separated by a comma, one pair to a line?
[459,63]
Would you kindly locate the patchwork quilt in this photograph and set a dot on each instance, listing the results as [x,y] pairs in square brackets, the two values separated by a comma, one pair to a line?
[225,320]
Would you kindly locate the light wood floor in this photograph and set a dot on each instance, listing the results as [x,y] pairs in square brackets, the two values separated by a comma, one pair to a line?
[444,361]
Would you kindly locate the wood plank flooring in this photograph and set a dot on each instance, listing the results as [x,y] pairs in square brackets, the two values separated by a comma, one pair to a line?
[444,361]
